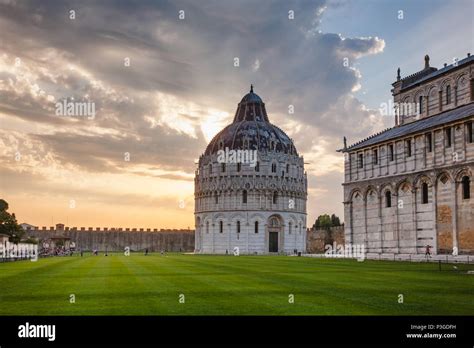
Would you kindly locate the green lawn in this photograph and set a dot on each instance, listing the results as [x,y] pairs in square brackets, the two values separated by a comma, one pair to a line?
[230,285]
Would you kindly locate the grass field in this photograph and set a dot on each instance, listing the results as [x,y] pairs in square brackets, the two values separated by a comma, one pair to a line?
[229,285]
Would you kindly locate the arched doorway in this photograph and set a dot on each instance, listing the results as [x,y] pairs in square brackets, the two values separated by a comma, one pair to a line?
[274,234]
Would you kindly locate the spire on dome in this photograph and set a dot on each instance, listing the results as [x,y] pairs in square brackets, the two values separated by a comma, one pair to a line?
[251,108]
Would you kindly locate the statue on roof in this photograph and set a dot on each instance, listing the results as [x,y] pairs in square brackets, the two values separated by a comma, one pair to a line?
[427,61]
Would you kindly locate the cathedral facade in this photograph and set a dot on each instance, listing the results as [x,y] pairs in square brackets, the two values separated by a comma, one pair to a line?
[410,186]
[250,188]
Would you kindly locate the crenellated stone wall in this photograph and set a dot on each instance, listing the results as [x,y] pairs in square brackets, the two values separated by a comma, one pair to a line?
[116,239]
[316,240]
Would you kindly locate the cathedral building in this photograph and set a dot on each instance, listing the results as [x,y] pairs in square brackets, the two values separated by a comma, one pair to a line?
[411,186]
[250,188]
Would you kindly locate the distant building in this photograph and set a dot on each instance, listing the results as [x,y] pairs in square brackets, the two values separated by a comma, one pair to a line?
[253,199]
[27,227]
[411,185]
[4,240]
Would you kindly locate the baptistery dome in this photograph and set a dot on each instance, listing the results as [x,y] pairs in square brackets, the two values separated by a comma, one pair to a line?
[250,188]
[251,129]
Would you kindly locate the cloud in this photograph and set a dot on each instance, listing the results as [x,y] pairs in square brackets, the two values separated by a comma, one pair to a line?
[181,86]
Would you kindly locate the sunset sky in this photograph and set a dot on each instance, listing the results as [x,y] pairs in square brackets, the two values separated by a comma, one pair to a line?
[181,87]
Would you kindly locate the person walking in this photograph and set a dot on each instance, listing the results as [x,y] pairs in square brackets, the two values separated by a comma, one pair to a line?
[428,251]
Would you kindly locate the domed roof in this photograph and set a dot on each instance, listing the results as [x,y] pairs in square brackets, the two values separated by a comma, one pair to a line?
[251,97]
[251,130]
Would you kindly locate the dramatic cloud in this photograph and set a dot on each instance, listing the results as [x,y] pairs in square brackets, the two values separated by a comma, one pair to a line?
[162,86]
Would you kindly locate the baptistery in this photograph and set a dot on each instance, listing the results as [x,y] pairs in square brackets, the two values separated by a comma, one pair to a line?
[250,188]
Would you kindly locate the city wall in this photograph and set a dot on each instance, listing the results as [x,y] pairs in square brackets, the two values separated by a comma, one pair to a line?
[116,239]
[317,239]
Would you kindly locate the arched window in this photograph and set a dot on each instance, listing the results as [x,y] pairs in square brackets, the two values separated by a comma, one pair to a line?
[391,151]
[239,166]
[207,226]
[466,187]
[388,199]
[244,196]
[256,226]
[470,137]
[375,157]
[257,167]
[408,147]
[221,226]
[448,94]
[274,167]
[275,197]
[238,226]
[222,167]
[447,136]
[210,168]
[216,198]
[420,104]
[424,193]
[287,168]
[289,228]
[429,142]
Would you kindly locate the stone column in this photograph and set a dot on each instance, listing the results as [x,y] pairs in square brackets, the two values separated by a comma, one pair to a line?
[455,215]
[379,213]
[395,156]
[348,222]
[266,244]
[196,238]
[435,216]
[212,232]
[414,210]
[366,235]
[229,232]
[248,233]
[397,222]
[296,235]
[413,140]
[443,146]
[465,139]
[281,238]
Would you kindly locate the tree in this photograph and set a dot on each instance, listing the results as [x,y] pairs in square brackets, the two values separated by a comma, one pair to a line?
[325,222]
[9,225]
[335,220]
[3,205]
